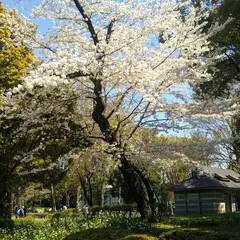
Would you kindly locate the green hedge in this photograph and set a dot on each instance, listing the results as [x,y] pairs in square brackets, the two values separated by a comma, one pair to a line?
[221,220]
[114,208]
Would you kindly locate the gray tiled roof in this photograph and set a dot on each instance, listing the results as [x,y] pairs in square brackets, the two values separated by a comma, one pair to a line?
[208,180]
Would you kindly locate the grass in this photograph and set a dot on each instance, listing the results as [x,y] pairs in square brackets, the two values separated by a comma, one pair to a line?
[216,227]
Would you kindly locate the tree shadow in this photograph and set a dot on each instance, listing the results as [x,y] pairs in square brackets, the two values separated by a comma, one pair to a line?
[156,232]
[116,234]
[99,234]
[199,234]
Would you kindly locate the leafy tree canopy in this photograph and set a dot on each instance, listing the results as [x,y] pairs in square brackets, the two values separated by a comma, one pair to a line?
[14,60]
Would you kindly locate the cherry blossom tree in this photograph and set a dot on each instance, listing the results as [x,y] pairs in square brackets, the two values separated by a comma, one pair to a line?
[131,63]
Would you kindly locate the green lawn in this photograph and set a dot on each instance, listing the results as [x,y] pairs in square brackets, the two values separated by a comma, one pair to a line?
[163,233]
[217,227]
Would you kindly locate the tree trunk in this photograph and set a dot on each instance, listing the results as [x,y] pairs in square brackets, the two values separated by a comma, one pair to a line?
[53,196]
[119,196]
[90,191]
[130,176]
[235,128]
[5,199]
[151,195]
[18,199]
[136,186]
[78,195]
[87,197]
[67,200]
[100,194]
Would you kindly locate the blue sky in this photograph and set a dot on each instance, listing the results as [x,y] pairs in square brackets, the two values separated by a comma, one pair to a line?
[24,7]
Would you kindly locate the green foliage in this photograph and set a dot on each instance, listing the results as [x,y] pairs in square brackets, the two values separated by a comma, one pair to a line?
[97,234]
[13,60]
[134,224]
[94,228]
[114,218]
[108,228]
[96,209]
[225,79]
[38,215]
[195,234]
[162,211]
[29,228]
[222,220]
[120,210]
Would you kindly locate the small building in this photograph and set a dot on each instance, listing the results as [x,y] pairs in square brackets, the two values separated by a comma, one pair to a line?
[209,190]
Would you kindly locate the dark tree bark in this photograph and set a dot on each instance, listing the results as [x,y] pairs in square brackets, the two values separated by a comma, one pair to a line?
[136,186]
[67,200]
[5,198]
[151,195]
[87,197]
[90,191]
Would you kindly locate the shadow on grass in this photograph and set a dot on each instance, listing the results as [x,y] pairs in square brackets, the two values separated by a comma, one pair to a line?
[99,234]
[155,234]
[199,234]
[224,227]
[116,234]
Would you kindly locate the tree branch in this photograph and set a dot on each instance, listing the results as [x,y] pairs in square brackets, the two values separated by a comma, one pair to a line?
[109,30]
[139,122]
[88,21]
[119,102]
[77,74]
[97,114]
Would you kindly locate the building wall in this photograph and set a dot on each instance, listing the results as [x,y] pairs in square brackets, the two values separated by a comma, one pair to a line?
[192,203]
[212,202]
[180,203]
[201,202]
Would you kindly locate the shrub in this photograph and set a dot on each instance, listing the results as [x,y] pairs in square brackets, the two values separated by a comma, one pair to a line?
[32,210]
[162,211]
[121,209]
[96,209]
[186,234]
[221,220]
[38,215]
[135,224]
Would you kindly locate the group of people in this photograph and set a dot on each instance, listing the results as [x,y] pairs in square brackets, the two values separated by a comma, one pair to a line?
[20,212]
